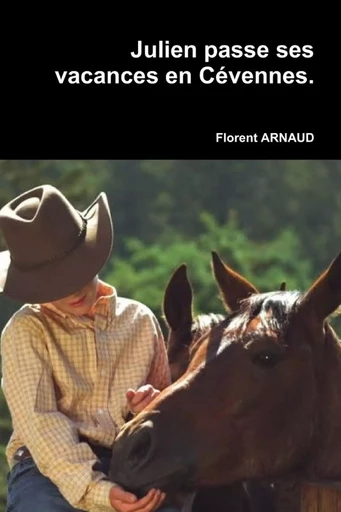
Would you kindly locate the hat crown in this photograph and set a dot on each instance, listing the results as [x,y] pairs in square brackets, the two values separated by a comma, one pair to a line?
[27,209]
[40,225]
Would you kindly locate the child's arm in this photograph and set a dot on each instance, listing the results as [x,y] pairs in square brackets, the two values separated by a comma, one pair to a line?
[49,435]
[159,375]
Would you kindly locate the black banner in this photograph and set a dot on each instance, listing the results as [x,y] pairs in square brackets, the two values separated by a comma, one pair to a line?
[170,98]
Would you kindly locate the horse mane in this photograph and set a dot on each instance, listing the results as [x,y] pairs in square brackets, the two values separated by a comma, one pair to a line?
[282,305]
[203,322]
[201,325]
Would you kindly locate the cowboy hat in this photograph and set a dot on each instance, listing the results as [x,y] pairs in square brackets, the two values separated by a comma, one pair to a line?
[53,249]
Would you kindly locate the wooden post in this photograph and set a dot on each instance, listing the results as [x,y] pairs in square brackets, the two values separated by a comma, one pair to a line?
[319,498]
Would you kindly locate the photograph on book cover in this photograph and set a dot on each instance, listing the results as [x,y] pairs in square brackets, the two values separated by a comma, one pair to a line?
[169,335]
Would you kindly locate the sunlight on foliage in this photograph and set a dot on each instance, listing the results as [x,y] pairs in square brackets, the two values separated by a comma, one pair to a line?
[144,274]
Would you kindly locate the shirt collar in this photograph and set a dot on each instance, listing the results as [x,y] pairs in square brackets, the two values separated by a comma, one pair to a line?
[105,305]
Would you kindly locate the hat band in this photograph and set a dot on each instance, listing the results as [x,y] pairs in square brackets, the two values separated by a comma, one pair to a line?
[79,238]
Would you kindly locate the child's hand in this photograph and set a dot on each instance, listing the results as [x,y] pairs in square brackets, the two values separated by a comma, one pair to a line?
[123,501]
[138,400]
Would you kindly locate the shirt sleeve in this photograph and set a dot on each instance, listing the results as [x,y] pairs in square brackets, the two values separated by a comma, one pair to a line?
[159,375]
[49,435]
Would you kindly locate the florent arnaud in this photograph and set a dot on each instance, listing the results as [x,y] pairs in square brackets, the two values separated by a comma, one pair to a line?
[266,137]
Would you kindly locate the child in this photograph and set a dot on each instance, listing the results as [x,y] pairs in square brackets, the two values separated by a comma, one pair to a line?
[72,357]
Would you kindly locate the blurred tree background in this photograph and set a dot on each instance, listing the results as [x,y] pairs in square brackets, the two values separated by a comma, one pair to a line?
[273,221]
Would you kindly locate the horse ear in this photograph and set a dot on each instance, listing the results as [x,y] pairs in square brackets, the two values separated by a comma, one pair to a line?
[233,286]
[283,286]
[177,302]
[324,295]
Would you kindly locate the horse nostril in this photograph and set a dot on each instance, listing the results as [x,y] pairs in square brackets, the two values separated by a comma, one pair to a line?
[140,449]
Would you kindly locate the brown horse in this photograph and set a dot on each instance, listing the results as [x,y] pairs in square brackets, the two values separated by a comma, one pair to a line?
[185,333]
[184,330]
[260,399]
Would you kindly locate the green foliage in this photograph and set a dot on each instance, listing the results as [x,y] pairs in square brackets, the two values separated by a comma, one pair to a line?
[144,273]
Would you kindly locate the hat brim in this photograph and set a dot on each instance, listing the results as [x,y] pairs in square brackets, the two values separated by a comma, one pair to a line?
[61,278]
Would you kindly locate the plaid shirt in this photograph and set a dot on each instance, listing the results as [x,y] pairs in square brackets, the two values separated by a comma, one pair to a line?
[65,376]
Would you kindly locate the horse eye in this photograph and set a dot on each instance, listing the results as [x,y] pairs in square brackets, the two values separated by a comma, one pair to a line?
[266,359]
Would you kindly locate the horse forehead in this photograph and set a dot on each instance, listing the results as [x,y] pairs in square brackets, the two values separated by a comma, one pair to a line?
[263,324]
[258,323]
[264,320]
